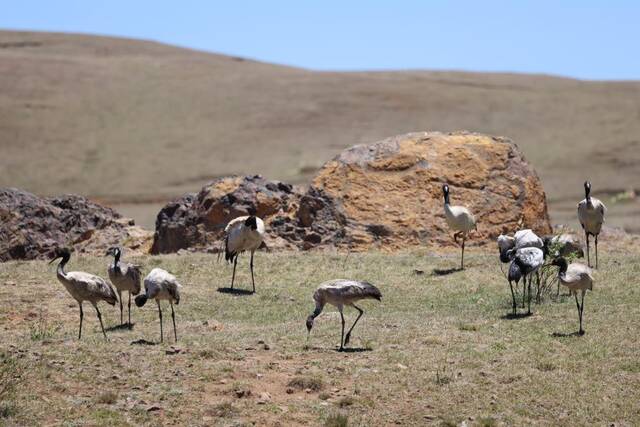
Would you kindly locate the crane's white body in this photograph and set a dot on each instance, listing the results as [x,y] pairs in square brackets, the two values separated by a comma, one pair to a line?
[162,285]
[591,214]
[459,219]
[521,239]
[578,277]
[241,238]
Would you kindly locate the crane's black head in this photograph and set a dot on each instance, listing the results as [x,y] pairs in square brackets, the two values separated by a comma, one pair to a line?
[114,251]
[560,262]
[251,222]
[63,253]
[587,189]
[445,192]
[309,323]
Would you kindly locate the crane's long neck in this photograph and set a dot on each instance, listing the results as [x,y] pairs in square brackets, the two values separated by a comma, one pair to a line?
[116,258]
[60,271]
[446,199]
[587,194]
[562,268]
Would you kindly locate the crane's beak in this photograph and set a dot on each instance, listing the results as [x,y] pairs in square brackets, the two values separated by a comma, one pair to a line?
[54,259]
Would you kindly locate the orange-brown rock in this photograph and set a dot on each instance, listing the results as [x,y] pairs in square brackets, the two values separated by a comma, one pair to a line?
[390,191]
[386,195]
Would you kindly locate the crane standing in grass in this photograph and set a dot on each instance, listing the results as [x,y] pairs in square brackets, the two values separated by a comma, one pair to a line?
[125,277]
[524,262]
[591,213]
[576,277]
[245,233]
[84,287]
[459,219]
[341,292]
[161,285]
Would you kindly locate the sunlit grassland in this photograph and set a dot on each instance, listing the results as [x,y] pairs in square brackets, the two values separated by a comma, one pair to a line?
[438,349]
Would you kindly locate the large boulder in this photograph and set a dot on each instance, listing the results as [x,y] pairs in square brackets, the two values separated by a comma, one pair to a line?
[391,191]
[385,195]
[197,220]
[31,227]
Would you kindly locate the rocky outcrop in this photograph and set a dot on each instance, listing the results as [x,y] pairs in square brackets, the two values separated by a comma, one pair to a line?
[385,195]
[197,221]
[31,227]
[390,191]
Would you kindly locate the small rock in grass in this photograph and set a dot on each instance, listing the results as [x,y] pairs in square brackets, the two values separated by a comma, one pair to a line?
[264,398]
[154,408]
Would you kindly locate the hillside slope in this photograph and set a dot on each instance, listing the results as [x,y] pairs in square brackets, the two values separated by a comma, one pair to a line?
[134,121]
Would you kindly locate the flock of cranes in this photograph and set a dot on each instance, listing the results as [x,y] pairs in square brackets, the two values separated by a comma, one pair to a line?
[524,252]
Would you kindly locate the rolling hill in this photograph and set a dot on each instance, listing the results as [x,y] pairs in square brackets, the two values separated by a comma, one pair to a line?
[133,123]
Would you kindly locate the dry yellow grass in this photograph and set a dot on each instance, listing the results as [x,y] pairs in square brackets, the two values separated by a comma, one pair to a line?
[437,349]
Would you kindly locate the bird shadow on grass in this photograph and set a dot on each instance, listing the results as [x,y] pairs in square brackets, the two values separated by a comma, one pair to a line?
[511,316]
[143,342]
[445,271]
[354,350]
[566,334]
[123,327]
[235,291]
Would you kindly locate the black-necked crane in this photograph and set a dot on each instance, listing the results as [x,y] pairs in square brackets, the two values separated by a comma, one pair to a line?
[339,293]
[459,219]
[576,277]
[84,287]
[161,285]
[524,262]
[591,213]
[125,277]
[245,233]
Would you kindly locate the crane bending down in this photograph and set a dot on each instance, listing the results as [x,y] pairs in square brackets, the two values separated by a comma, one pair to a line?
[125,277]
[459,219]
[576,277]
[591,212]
[161,285]
[84,287]
[245,233]
[525,262]
[341,292]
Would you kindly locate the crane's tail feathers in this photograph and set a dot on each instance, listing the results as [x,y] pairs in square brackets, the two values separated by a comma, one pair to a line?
[141,300]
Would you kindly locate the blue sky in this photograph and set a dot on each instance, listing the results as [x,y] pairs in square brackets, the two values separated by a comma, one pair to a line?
[584,39]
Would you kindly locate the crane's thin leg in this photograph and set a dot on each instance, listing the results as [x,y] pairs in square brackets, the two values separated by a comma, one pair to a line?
[120,300]
[524,289]
[346,340]
[538,286]
[513,297]
[81,317]
[582,312]
[529,294]
[578,305]
[233,277]
[129,308]
[173,317]
[596,238]
[100,319]
[462,259]
[253,282]
[342,333]
[160,314]
[586,236]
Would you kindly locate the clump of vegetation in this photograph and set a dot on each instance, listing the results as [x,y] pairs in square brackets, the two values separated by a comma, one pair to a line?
[107,398]
[10,378]
[487,422]
[337,419]
[42,329]
[346,401]
[468,327]
[306,382]
[441,376]
[224,410]
[546,366]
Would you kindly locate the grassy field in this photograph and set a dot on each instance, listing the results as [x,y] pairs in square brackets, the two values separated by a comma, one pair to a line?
[439,348]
